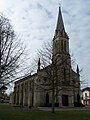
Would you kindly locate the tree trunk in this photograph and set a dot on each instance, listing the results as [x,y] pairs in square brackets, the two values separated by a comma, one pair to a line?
[53,100]
[53,107]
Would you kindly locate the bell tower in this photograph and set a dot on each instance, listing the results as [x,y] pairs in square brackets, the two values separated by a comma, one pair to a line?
[61,42]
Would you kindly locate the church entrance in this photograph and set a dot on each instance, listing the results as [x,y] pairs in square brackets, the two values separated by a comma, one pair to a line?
[21,102]
[64,100]
[78,97]
[47,98]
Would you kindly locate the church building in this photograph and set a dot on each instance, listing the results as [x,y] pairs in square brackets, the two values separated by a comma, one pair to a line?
[29,92]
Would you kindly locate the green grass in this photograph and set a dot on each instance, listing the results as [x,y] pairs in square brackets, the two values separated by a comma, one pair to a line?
[5,106]
[61,115]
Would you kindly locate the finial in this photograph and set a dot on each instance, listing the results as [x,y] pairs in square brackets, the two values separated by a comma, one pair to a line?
[59,5]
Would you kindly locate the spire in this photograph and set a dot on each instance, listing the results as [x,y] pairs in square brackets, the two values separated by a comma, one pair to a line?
[39,64]
[60,30]
[77,69]
[60,25]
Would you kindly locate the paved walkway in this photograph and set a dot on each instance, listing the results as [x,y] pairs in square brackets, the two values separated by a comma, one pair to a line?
[63,109]
[26,109]
[23,109]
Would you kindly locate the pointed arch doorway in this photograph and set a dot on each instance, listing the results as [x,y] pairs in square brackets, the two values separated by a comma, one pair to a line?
[64,100]
[47,98]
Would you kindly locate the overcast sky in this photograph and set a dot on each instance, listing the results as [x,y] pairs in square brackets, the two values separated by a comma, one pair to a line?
[35,22]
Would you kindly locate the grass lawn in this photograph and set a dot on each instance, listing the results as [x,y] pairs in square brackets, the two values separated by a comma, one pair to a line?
[5,106]
[61,115]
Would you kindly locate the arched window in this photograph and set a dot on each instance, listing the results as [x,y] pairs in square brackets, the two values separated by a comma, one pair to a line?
[62,45]
[64,74]
[65,46]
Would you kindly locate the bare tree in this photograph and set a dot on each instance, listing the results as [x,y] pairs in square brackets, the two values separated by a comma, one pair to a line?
[49,64]
[11,54]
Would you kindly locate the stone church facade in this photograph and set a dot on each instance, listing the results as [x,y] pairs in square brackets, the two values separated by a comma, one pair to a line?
[25,90]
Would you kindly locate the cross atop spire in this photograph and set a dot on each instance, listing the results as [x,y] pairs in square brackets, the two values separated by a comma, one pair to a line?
[59,4]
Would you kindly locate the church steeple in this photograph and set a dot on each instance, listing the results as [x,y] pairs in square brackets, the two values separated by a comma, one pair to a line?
[61,41]
[60,25]
[60,30]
